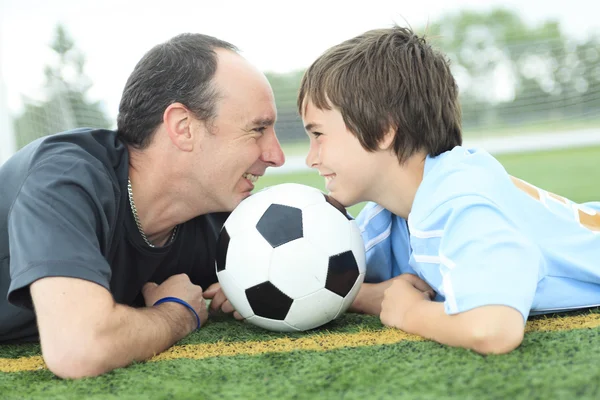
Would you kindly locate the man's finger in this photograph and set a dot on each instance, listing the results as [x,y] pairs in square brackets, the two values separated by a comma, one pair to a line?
[148,287]
[210,292]
[217,301]
[227,307]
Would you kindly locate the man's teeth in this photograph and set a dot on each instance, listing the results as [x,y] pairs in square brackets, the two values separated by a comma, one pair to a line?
[250,177]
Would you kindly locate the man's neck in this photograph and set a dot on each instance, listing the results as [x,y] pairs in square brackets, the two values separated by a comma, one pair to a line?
[155,201]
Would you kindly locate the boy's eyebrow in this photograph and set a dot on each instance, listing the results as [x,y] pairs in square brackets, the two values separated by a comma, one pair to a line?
[310,126]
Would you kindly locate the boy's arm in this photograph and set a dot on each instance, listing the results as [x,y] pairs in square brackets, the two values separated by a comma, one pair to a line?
[491,329]
[370,295]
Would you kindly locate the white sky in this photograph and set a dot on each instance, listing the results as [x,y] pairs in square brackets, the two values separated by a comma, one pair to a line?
[277,36]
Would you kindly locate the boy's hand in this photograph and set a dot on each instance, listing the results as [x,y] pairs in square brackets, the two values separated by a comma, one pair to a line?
[219,301]
[369,298]
[402,294]
[370,295]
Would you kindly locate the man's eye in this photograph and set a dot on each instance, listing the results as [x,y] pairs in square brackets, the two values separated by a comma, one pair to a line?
[260,129]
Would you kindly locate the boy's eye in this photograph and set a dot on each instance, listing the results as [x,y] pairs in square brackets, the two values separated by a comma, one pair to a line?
[316,134]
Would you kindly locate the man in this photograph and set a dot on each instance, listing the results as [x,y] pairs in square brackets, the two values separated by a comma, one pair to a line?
[383,117]
[97,226]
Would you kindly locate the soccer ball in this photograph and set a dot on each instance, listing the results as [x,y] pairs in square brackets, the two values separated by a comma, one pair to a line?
[289,258]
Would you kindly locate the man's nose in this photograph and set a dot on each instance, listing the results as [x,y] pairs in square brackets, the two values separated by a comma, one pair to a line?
[273,153]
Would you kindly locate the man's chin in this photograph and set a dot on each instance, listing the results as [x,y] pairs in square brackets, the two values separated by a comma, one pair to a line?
[243,196]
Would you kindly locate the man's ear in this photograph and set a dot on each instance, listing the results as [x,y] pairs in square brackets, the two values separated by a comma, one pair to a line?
[178,122]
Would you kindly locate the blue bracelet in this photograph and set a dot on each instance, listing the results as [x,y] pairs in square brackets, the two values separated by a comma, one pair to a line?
[183,303]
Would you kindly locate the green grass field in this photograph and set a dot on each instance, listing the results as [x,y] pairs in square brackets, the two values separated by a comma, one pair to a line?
[354,357]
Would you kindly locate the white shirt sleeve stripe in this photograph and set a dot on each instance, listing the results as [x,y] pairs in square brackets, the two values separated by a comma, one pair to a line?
[379,238]
[426,234]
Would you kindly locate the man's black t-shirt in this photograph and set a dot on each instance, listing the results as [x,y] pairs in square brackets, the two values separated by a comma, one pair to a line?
[64,211]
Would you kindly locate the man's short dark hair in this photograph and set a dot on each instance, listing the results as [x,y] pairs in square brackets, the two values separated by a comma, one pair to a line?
[179,70]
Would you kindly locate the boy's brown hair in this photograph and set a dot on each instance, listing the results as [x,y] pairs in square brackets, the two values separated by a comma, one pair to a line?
[388,78]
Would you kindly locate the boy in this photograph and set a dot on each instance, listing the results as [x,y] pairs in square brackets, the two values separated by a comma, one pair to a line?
[383,117]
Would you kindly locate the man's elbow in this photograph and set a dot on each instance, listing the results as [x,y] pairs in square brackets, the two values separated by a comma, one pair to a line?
[76,361]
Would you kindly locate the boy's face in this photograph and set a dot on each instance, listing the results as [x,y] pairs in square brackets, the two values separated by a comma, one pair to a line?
[350,171]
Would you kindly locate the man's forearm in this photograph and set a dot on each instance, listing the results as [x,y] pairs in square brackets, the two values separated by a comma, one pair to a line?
[132,334]
[115,340]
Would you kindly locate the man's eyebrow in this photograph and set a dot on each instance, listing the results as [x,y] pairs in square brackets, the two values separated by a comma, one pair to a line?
[263,121]
[310,126]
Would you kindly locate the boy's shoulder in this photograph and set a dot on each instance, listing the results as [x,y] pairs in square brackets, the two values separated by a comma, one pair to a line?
[458,176]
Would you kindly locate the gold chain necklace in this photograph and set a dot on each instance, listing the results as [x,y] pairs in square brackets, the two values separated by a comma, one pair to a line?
[137,219]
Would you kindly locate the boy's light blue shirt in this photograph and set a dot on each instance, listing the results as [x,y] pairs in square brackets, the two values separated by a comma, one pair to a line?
[478,240]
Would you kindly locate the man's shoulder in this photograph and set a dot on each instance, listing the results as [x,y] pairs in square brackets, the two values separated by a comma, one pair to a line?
[64,164]
[93,145]
[98,146]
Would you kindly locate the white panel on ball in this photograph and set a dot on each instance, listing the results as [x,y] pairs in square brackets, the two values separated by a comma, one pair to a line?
[325,227]
[298,268]
[235,294]
[358,247]
[347,302]
[314,310]
[294,195]
[248,258]
[246,214]
[271,324]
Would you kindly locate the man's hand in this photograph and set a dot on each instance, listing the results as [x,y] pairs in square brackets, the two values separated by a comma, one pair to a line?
[404,292]
[219,301]
[178,286]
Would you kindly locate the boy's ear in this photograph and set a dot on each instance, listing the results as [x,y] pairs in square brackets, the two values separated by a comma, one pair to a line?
[387,141]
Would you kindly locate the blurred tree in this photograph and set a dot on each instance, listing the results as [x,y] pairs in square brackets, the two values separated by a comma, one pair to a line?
[66,104]
[587,81]
[507,71]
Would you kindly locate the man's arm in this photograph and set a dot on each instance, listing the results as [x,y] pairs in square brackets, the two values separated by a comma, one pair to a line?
[83,332]
[491,329]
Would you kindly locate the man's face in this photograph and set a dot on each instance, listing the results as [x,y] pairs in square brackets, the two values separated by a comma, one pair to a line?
[239,145]
[350,171]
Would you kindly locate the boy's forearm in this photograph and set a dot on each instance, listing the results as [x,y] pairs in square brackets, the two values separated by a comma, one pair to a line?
[428,319]
[488,329]
[369,298]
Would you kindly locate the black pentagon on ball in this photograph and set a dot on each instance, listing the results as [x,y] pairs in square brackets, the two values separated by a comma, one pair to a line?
[342,273]
[280,224]
[222,246]
[269,302]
